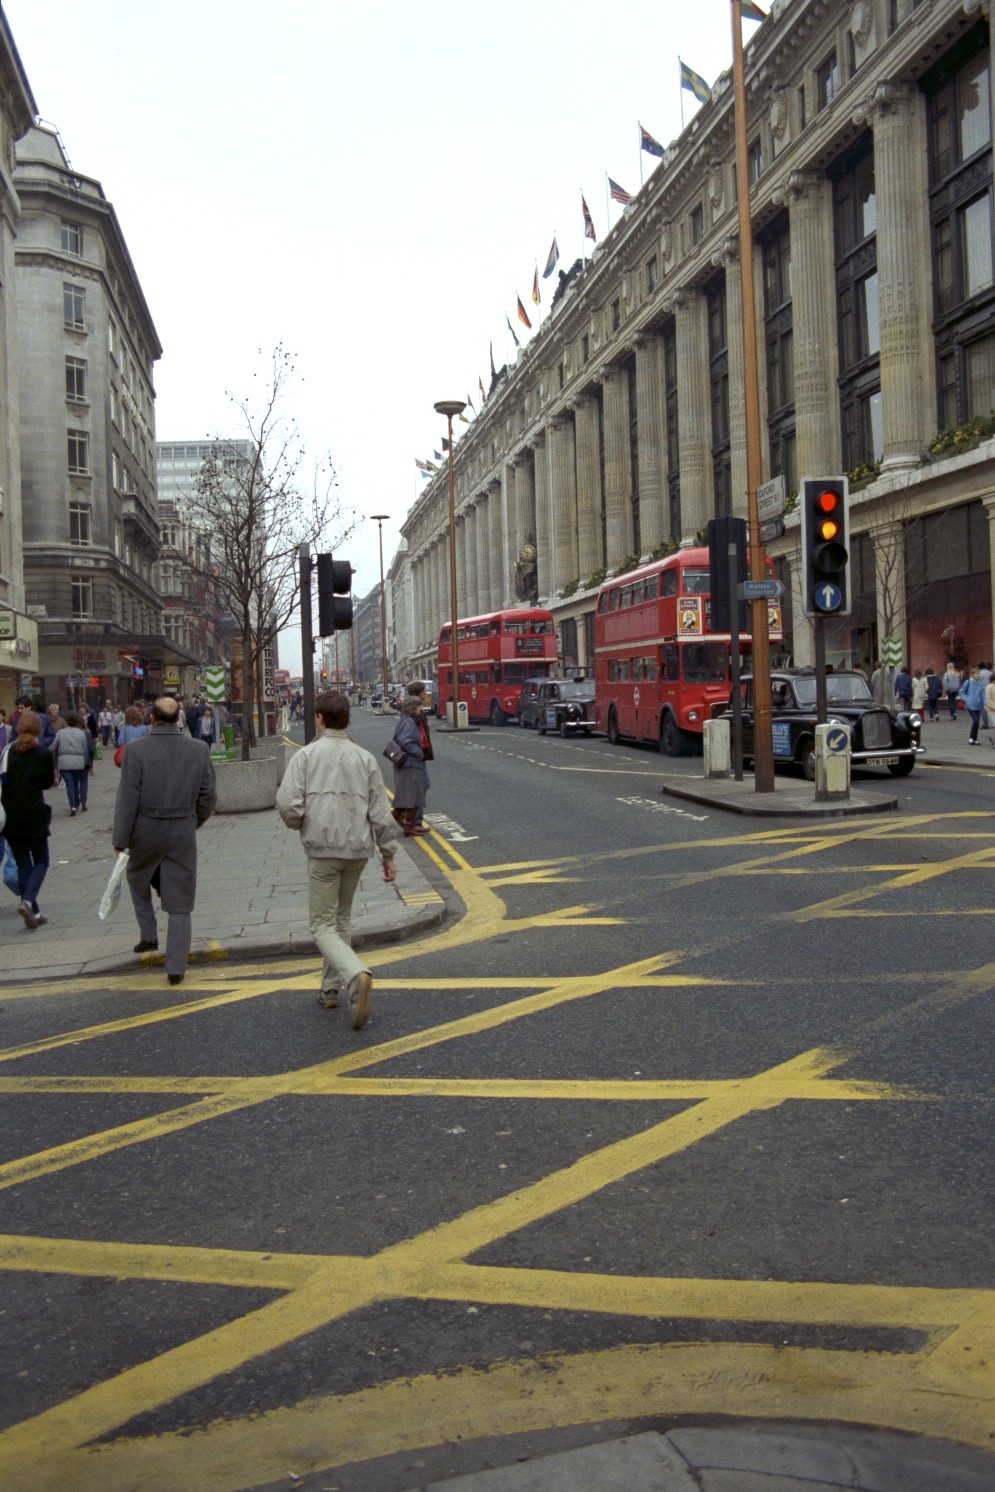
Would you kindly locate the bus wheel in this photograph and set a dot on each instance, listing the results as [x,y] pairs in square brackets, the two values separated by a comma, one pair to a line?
[497,715]
[806,755]
[613,729]
[673,741]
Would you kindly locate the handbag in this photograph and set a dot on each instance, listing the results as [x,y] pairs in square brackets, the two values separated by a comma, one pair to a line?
[119,755]
[112,891]
[10,876]
[394,754]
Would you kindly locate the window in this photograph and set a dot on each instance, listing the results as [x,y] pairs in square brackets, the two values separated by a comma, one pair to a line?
[718,372]
[115,406]
[651,275]
[616,315]
[961,193]
[585,348]
[82,598]
[76,380]
[855,222]
[801,108]
[116,471]
[827,81]
[72,238]
[755,161]
[74,307]
[697,224]
[669,339]
[79,525]
[778,333]
[78,445]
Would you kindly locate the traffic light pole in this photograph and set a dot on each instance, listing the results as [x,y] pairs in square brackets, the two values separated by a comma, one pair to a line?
[821,704]
[307,642]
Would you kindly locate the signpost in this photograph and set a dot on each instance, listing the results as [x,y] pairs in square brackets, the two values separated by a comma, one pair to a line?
[761,590]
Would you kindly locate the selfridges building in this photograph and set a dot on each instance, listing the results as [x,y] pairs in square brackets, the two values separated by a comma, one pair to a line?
[620,430]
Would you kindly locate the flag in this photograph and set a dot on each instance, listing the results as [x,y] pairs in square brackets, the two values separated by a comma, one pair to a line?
[469,403]
[537,300]
[422,465]
[480,385]
[552,260]
[437,455]
[464,418]
[523,315]
[647,143]
[512,330]
[493,369]
[695,84]
[618,193]
[588,220]
[751,12]
[445,443]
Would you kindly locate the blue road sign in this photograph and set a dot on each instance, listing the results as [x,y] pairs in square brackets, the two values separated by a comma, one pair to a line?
[837,739]
[828,597]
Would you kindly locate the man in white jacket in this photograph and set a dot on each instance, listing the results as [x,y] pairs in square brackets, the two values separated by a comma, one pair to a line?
[333,793]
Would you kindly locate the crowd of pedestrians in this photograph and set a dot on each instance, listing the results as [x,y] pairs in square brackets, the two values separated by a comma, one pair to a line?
[970,688]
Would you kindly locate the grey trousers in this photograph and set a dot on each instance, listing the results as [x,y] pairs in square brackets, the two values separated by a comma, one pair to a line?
[178,936]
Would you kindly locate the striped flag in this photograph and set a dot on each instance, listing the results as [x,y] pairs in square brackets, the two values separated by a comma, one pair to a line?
[552,260]
[751,12]
[536,298]
[588,220]
[618,193]
[695,84]
[480,385]
[523,315]
[647,143]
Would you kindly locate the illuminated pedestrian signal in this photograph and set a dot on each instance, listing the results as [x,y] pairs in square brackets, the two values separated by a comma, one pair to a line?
[825,546]
[334,600]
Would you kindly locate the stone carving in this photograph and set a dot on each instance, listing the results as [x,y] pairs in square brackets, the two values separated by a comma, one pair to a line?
[860,21]
[667,240]
[526,577]
[779,114]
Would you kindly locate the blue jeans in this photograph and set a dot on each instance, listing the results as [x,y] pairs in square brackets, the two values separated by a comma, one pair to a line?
[975,722]
[31,856]
[76,785]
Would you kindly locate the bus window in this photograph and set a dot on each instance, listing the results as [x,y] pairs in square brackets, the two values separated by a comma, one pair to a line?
[652,588]
[603,601]
[671,663]
[670,580]
[540,629]
[495,673]
[705,662]
[696,582]
[626,597]
[649,670]
[613,600]
[637,670]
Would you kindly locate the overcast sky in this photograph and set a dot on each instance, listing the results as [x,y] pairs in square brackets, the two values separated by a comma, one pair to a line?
[370,183]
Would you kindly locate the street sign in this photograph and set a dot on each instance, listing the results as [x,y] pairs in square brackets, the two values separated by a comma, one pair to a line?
[214,682]
[8,624]
[770,499]
[761,590]
[837,738]
[891,651]
[770,531]
[827,598]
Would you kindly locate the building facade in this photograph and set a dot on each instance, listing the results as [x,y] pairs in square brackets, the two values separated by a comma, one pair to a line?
[86,349]
[18,631]
[620,429]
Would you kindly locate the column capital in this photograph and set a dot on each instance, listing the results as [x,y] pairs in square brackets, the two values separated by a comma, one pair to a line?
[795,187]
[679,300]
[884,98]
[727,251]
[978,7]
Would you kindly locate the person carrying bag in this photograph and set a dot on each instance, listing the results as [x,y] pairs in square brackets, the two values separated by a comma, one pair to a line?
[409,784]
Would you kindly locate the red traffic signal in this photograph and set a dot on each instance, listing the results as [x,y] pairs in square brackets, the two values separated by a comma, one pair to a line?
[825,556]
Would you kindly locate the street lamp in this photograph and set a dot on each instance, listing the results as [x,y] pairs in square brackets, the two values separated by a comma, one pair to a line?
[451,408]
[380,519]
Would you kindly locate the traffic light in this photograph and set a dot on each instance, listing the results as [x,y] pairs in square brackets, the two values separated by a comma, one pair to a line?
[721,533]
[334,600]
[825,505]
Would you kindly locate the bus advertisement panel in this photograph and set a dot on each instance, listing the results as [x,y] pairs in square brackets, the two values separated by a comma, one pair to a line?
[658,666]
[496,653]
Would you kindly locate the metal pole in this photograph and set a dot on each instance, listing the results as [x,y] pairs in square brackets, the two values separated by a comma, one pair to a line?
[384,703]
[307,642]
[452,577]
[737,702]
[763,738]
[821,705]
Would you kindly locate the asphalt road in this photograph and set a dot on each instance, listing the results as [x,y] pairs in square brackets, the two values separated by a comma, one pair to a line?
[679,1115]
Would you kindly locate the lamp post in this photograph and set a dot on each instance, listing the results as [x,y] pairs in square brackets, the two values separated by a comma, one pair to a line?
[380,519]
[450,408]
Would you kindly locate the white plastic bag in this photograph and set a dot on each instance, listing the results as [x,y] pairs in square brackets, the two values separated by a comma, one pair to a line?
[112,891]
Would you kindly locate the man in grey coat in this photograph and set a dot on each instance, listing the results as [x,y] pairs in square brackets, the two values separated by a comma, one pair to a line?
[165,793]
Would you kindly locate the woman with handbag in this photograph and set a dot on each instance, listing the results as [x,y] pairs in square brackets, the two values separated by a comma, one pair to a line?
[133,729]
[409,784]
[30,773]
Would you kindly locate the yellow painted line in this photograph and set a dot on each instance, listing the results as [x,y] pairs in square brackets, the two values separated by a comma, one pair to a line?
[976,860]
[144,1261]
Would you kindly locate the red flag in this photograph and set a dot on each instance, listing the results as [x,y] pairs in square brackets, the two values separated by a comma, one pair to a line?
[535,287]
[523,314]
[588,221]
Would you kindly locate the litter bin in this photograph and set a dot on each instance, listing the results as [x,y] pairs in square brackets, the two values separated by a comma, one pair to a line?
[228,731]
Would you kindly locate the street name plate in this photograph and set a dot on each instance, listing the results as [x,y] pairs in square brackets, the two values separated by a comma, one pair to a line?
[770,499]
[769,531]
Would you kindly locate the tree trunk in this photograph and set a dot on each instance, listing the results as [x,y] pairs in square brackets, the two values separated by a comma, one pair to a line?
[248,736]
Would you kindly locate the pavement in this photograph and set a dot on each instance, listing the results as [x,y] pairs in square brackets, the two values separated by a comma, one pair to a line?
[251,895]
[947,745]
[252,902]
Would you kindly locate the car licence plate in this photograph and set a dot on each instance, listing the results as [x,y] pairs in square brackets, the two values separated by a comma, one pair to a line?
[886,761]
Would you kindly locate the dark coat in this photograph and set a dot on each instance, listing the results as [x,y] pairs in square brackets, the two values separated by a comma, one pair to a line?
[409,781]
[165,793]
[29,774]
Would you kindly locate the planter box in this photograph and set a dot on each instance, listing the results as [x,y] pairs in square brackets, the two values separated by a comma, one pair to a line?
[274,747]
[246,787]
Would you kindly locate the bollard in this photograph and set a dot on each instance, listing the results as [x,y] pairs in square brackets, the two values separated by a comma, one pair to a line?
[228,731]
[715,740]
[832,762]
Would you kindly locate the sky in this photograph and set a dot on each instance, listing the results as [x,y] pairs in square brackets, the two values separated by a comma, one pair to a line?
[370,184]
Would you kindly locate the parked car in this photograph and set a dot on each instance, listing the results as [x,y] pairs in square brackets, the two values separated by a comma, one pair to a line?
[528,702]
[878,738]
[565,705]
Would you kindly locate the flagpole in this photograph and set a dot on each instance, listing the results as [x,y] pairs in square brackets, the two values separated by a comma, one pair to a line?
[639,127]
[608,210]
[680,86]
[763,761]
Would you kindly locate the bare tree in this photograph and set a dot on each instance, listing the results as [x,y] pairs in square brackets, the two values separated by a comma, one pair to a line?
[899,546]
[251,500]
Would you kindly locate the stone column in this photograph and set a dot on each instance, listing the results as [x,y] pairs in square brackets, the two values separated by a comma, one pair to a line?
[651,422]
[695,412]
[525,507]
[989,506]
[483,556]
[815,351]
[590,555]
[564,502]
[499,568]
[543,526]
[897,112]
[729,259]
[460,568]
[618,467]
[468,595]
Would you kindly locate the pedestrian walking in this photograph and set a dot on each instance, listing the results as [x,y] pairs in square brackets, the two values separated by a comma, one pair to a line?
[105,723]
[972,692]
[409,781]
[118,722]
[166,792]
[206,725]
[990,703]
[920,690]
[903,687]
[73,753]
[985,675]
[419,692]
[951,687]
[133,729]
[933,691]
[30,772]
[50,727]
[333,793]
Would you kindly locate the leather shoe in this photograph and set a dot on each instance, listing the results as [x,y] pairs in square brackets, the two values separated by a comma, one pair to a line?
[146,947]
[175,978]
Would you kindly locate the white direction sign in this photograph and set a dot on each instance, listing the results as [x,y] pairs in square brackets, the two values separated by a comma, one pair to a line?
[770,499]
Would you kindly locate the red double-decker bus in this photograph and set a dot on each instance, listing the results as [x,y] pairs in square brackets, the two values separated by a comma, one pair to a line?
[658,666]
[496,653]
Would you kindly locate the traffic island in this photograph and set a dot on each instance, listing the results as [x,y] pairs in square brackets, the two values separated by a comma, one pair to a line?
[789,800]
